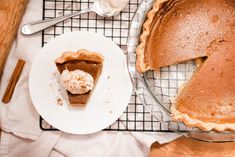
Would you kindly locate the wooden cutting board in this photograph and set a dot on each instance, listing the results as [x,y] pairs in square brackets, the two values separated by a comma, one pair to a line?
[11,12]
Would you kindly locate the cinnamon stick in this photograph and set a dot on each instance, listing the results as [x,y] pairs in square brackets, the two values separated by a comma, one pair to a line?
[14,79]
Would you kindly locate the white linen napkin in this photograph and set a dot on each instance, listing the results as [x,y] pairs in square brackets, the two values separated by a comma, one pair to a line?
[20,121]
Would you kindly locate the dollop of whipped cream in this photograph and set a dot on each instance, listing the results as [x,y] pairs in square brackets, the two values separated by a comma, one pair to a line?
[77,81]
[113,6]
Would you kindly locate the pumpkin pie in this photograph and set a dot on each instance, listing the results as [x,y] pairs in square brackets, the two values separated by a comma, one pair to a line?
[80,71]
[176,31]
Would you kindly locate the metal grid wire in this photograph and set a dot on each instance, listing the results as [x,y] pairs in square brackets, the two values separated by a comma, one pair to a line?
[135,118]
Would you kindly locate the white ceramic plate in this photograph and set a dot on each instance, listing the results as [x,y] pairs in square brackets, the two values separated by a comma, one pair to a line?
[109,98]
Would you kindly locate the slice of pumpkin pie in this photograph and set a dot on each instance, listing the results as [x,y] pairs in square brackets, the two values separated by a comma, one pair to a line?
[79,73]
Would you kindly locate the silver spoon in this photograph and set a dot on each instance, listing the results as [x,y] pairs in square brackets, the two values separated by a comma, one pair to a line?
[97,7]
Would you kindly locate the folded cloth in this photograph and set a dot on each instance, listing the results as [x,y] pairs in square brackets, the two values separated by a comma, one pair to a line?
[105,144]
[13,146]
[20,121]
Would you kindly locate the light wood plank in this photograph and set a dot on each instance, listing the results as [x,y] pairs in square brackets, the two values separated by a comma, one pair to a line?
[11,12]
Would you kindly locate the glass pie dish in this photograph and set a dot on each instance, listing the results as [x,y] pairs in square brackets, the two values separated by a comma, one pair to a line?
[157,89]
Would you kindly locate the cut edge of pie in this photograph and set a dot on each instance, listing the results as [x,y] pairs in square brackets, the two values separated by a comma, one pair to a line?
[84,56]
[227,56]
[193,122]
[140,64]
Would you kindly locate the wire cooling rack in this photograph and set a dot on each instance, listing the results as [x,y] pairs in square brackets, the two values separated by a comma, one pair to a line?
[135,118]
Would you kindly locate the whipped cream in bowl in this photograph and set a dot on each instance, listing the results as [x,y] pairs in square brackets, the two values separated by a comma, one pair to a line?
[77,81]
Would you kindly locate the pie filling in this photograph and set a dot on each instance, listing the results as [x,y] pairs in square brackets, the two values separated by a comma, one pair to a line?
[89,67]
[183,30]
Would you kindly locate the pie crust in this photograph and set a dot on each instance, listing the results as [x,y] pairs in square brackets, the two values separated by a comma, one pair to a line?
[140,64]
[82,54]
[205,126]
